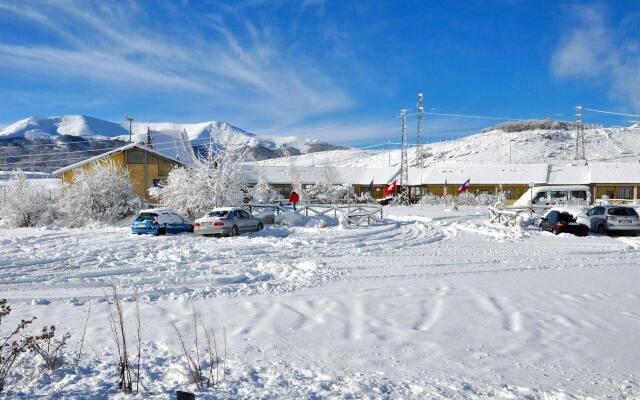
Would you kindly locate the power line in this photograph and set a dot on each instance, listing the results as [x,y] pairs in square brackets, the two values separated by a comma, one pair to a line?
[611,112]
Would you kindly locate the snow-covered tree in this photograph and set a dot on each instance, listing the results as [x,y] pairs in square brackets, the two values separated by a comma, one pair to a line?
[262,192]
[25,205]
[218,178]
[101,192]
[294,175]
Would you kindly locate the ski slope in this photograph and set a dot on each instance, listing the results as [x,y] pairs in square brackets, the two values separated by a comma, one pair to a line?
[428,304]
[527,147]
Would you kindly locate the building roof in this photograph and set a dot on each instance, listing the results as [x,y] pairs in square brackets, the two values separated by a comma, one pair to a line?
[339,175]
[114,151]
[491,174]
[614,172]
[568,175]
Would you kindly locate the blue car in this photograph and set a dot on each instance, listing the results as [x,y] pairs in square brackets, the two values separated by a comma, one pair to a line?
[160,221]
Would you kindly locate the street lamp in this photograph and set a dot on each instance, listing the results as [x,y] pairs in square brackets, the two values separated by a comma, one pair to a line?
[531,201]
[130,119]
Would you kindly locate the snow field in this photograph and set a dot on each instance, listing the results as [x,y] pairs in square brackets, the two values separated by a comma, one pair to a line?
[429,304]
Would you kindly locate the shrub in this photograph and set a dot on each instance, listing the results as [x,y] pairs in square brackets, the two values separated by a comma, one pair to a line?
[216,179]
[102,192]
[25,205]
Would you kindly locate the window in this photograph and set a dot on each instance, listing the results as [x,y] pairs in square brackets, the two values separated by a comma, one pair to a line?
[553,216]
[540,198]
[507,194]
[558,195]
[565,217]
[244,214]
[598,211]
[219,214]
[623,212]
[135,157]
[625,193]
[579,195]
[146,217]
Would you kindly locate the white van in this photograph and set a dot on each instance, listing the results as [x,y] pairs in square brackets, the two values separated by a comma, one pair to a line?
[578,195]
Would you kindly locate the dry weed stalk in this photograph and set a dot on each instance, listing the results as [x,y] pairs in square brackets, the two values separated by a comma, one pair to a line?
[202,374]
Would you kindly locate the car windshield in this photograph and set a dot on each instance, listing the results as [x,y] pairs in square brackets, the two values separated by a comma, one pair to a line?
[220,214]
[565,217]
[623,211]
[146,217]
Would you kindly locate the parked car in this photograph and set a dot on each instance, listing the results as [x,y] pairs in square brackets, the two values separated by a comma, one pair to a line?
[612,218]
[159,221]
[555,195]
[229,221]
[557,221]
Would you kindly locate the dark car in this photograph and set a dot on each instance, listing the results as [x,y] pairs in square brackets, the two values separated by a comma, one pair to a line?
[559,222]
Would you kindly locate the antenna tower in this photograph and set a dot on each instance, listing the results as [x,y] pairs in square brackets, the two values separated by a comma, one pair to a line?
[404,162]
[580,153]
[420,137]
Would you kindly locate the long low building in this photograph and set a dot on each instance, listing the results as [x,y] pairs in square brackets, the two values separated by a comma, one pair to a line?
[148,167]
[614,180]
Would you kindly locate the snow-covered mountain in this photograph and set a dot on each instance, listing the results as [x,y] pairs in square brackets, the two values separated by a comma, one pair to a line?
[71,134]
[552,146]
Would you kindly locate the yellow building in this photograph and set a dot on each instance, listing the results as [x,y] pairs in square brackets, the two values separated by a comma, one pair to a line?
[146,166]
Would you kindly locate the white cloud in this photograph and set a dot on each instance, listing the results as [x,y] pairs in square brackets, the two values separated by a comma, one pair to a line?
[245,68]
[592,49]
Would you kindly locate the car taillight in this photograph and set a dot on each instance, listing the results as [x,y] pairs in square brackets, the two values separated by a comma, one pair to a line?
[560,225]
[197,225]
[218,223]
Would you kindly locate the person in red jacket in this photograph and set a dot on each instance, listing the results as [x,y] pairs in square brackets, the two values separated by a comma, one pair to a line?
[293,199]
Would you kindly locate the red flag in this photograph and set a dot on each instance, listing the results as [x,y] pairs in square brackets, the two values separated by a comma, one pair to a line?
[294,198]
[391,188]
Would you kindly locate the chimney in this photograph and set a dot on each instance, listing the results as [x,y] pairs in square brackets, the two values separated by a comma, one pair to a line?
[149,141]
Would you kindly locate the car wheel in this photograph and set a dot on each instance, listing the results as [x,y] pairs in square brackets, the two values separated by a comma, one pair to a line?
[554,231]
[234,231]
[602,230]
[161,232]
[260,227]
[190,229]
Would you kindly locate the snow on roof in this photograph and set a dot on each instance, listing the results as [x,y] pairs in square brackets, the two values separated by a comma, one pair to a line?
[614,172]
[157,210]
[339,175]
[568,175]
[479,174]
[118,150]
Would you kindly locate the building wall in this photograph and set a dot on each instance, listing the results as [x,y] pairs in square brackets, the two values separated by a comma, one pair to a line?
[117,158]
[615,191]
[143,169]
[513,191]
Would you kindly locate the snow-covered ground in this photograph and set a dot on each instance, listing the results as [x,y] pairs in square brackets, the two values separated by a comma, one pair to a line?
[429,304]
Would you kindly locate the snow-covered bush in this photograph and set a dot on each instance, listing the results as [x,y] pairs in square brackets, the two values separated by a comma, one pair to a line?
[262,192]
[219,178]
[533,124]
[25,205]
[102,192]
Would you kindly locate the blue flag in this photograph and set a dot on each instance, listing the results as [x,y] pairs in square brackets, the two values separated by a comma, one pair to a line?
[370,187]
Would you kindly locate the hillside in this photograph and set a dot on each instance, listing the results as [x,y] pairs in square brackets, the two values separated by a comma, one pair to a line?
[47,143]
[553,146]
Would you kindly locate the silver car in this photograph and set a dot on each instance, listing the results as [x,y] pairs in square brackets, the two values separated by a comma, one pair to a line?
[228,221]
[611,218]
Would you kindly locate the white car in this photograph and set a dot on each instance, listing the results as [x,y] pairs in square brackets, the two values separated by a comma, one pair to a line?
[611,218]
[228,221]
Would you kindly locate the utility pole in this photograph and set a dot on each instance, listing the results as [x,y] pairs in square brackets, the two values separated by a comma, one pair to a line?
[404,162]
[130,119]
[420,138]
[580,153]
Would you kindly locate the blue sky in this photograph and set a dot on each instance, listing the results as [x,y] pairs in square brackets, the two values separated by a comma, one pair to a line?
[338,71]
